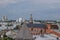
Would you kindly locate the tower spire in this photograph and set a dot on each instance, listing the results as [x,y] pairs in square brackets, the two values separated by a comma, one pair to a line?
[31,18]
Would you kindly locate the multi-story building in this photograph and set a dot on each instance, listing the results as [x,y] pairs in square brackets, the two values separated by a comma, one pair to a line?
[4,18]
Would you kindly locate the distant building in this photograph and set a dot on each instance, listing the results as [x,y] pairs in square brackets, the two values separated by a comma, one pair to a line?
[35,28]
[4,18]
[19,20]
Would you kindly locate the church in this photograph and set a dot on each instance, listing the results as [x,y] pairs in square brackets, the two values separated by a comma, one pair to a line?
[36,28]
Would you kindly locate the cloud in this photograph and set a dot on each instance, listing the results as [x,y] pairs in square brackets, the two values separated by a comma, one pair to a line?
[2,2]
[6,2]
[48,3]
[45,1]
[34,2]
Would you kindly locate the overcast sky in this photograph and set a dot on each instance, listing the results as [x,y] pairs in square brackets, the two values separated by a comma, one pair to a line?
[40,9]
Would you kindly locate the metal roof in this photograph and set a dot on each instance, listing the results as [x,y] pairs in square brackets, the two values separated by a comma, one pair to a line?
[36,25]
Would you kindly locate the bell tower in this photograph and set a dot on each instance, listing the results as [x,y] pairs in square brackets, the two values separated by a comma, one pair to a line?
[31,19]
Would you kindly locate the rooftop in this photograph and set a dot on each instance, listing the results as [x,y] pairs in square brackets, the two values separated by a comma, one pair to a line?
[36,25]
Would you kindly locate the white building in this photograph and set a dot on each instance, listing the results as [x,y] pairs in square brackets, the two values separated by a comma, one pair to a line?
[19,20]
[4,18]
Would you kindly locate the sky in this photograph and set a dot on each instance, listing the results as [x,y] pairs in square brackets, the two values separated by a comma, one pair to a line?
[40,9]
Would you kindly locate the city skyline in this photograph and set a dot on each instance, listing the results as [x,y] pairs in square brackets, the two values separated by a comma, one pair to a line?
[40,9]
